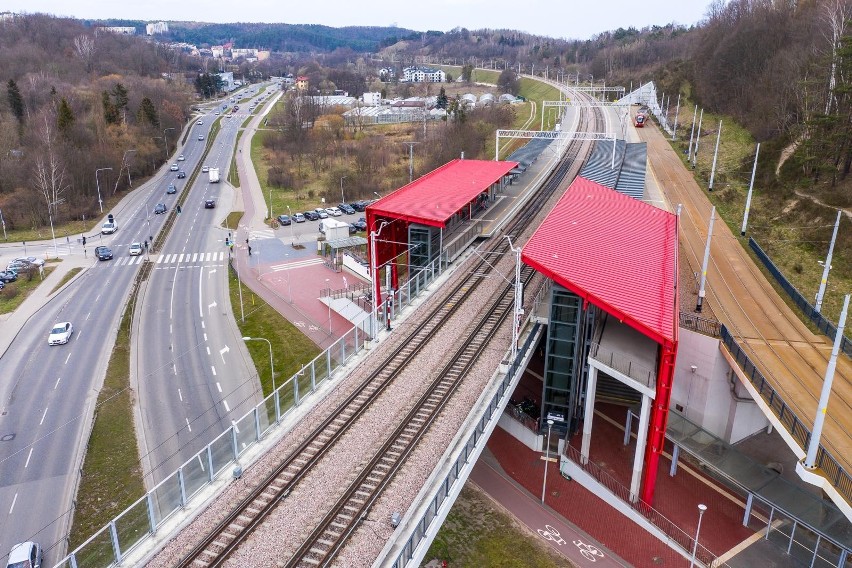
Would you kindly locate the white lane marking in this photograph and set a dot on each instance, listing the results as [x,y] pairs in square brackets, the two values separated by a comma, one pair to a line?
[172,299]
[43,416]
[202,325]
[88,315]
[222,352]
[57,383]
[218,386]
[180,395]
[174,368]
[214,369]
[188,427]
[208,350]
[13,503]
[67,358]
[27,464]
[211,306]
[227,408]
[200,303]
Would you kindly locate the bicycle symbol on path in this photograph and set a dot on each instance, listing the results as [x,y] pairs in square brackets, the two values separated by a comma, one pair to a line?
[589,551]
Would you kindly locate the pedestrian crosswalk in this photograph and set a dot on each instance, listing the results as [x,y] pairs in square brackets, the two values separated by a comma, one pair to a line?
[297,264]
[262,234]
[176,258]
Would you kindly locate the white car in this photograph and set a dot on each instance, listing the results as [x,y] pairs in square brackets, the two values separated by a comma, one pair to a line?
[201,137]
[334,211]
[108,228]
[323,214]
[181,158]
[34,260]
[61,333]
[135,249]
[216,113]
[25,555]
[200,122]
[174,167]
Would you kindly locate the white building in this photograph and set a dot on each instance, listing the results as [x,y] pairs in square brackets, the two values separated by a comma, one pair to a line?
[118,30]
[157,28]
[228,83]
[248,52]
[423,75]
[372,99]
[218,50]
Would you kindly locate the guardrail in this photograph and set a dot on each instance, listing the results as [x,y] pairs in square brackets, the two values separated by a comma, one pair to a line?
[819,320]
[476,438]
[705,326]
[831,470]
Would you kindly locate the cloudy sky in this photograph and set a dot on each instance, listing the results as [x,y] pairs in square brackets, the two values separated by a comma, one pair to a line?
[569,19]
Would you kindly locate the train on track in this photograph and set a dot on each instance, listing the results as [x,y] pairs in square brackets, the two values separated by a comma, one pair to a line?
[640,119]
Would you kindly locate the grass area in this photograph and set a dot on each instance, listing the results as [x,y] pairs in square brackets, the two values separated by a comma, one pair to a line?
[232,220]
[111,479]
[794,244]
[538,91]
[14,293]
[65,279]
[479,533]
[290,347]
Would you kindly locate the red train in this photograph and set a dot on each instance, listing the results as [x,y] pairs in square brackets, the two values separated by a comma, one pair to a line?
[639,120]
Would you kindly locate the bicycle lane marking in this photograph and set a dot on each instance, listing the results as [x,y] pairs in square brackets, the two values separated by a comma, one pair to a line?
[570,542]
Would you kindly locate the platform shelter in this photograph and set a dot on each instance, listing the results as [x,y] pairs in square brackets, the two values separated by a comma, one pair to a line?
[409,228]
[613,313]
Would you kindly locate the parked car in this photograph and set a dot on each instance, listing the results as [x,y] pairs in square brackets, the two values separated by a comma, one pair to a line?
[135,249]
[359,206]
[181,174]
[352,229]
[311,215]
[25,555]
[103,253]
[346,208]
[61,333]
[209,204]
[321,212]
[284,220]
[334,211]
[299,218]
[19,265]
[361,224]
[174,167]
[171,189]
[32,260]
[181,158]
[8,276]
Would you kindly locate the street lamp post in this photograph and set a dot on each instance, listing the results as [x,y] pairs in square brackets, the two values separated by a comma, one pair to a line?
[701,508]
[342,199]
[123,159]
[271,367]
[328,285]
[98,185]
[546,461]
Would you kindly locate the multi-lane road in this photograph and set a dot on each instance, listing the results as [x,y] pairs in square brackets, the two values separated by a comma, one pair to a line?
[186,350]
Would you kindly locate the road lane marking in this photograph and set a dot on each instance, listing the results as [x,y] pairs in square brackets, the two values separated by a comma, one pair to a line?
[202,324]
[208,350]
[174,368]
[57,383]
[218,386]
[87,316]
[222,352]
[227,408]
[200,303]
[205,337]
[213,367]
[42,416]
[188,427]
[14,499]
[27,464]
[67,358]
[180,395]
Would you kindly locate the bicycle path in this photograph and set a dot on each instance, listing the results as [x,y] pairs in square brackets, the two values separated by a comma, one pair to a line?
[565,538]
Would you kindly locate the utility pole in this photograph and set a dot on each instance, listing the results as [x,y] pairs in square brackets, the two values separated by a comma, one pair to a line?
[411,160]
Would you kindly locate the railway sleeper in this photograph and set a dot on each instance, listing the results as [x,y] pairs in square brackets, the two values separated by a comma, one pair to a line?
[311,561]
[326,542]
[347,514]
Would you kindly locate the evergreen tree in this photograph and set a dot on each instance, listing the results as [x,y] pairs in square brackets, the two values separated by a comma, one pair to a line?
[148,113]
[16,101]
[119,93]
[64,117]
[110,112]
[442,99]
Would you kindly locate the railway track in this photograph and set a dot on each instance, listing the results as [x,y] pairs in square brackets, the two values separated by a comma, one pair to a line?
[331,534]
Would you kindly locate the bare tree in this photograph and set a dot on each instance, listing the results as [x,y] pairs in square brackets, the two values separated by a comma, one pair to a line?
[84,45]
[50,179]
[836,14]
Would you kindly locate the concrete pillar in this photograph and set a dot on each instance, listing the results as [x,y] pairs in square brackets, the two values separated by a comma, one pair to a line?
[588,414]
[641,440]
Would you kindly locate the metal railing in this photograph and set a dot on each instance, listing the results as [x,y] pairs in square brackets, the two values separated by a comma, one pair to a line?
[671,530]
[822,323]
[476,438]
[831,469]
[705,326]
[623,364]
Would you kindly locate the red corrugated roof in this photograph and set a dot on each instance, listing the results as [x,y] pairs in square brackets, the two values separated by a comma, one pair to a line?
[443,192]
[616,252]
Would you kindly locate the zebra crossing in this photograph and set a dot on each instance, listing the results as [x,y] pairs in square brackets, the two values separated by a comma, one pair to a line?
[261,234]
[297,264]
[176,258]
